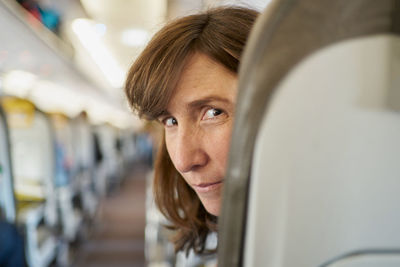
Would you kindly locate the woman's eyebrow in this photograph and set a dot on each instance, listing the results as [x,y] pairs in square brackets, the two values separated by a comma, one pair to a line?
[163,114]
[204,101]
[196,104]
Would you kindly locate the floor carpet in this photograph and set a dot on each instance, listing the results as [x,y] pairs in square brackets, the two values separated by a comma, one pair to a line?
[117,235]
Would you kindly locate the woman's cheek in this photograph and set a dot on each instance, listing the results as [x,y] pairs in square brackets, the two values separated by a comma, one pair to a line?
[221,145]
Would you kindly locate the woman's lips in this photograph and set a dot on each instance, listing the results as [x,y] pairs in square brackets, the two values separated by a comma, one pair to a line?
[207,187]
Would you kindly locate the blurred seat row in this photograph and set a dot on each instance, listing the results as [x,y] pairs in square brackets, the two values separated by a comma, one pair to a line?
[54,169]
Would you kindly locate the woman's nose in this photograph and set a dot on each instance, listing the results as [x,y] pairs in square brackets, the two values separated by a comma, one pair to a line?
[189,153]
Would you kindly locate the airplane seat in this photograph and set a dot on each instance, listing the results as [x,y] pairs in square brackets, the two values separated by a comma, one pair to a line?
[83,173]
[315,142]
[109,168]
[7,200]
[158,248]
[100,166]
[33,167]
[128,147]
[31,150]
[325,176]
[70,214]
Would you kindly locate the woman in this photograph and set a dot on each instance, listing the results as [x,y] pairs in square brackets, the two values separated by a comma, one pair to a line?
[186,78]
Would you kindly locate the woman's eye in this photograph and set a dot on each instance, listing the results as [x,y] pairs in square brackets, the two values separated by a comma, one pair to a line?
[168,122]
[212,113]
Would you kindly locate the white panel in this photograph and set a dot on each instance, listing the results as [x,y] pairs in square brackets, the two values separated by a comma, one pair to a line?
[32,152]
[325,179]
[21,48]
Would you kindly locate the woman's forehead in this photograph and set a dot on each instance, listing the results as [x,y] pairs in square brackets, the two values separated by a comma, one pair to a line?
[203,79]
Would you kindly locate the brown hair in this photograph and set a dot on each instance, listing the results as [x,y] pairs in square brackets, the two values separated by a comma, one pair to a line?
[219,33]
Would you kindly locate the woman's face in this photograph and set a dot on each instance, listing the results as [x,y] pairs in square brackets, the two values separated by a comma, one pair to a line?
[198,124]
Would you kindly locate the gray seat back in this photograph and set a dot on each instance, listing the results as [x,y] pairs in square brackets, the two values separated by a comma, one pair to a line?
[289,35]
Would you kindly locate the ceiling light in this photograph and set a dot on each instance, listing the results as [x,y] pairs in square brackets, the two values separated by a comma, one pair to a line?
[52,97]
[18,83]
[135,37]
[100,29]
[84,30]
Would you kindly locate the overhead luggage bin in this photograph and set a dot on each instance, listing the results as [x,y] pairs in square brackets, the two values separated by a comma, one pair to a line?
[313,176]
[37,65]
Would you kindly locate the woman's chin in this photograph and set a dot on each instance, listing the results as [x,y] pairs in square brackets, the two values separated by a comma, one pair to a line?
[212,206]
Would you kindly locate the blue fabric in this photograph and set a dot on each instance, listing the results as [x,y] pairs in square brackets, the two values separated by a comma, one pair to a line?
[11,246]
[50,18]
[61,177]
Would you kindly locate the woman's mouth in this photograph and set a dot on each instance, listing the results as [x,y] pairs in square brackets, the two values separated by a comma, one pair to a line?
[207,187]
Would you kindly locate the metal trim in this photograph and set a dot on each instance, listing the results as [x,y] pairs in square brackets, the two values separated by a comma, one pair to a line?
[358,253]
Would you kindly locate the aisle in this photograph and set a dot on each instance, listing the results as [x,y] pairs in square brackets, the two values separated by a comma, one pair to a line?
[117,238]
